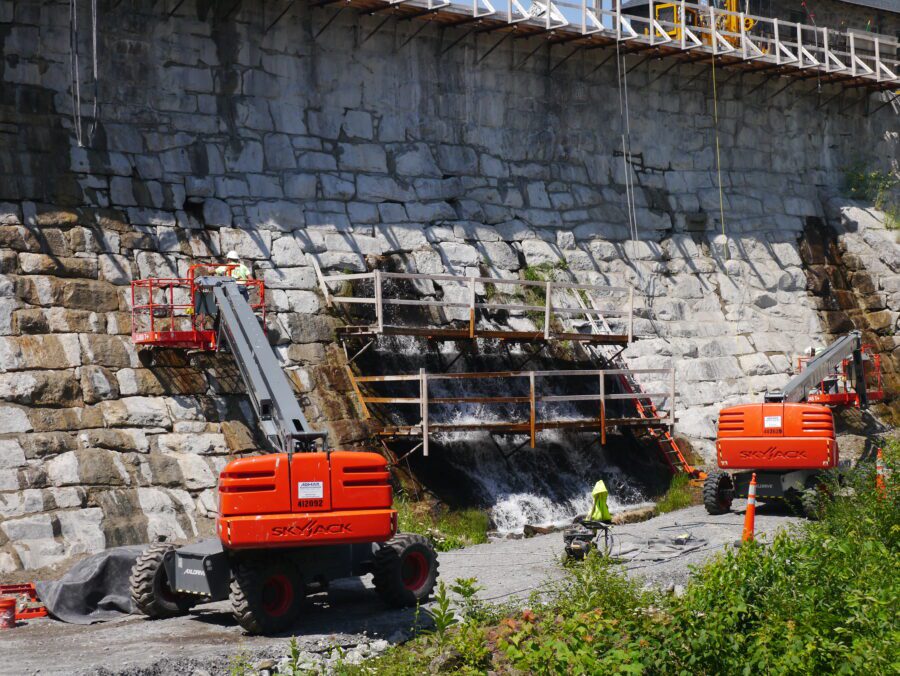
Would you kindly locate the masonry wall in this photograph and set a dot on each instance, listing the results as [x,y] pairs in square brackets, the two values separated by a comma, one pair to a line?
[361,147]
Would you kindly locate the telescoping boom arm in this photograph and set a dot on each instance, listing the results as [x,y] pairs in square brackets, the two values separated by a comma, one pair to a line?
[276,406]
[823,365]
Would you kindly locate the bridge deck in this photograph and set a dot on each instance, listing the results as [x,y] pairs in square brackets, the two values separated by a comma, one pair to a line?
[693,33]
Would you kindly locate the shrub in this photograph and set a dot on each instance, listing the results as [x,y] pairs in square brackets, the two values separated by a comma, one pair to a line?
[821,598]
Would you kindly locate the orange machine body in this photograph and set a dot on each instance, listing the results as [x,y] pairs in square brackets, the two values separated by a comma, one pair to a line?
[776,436]
[305,499]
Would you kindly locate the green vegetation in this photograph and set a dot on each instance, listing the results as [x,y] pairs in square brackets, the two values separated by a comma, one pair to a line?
[877,187]
[535,295]
[447,529]
[820,599]
[679,495]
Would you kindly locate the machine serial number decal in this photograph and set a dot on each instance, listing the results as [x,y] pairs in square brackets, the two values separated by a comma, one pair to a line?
[309,489]
[310,503]
[772,421]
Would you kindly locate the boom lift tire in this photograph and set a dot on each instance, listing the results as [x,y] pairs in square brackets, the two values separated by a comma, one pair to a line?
[405,570]
[718,492]
[149,585]
[266,596]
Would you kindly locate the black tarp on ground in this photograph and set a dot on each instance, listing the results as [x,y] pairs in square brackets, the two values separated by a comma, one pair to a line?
[94,589]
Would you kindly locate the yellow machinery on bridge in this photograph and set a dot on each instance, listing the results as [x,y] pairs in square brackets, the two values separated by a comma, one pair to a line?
[669,15]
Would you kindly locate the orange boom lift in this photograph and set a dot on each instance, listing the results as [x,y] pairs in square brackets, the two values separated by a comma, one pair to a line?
[289,522]
[787,441]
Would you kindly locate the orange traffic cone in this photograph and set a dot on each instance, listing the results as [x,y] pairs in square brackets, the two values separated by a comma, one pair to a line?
[879,474]
[750,515]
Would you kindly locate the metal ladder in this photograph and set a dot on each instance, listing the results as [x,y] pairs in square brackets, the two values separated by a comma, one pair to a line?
[670,451]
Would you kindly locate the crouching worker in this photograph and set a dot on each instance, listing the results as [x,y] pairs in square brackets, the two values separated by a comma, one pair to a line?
[591,532]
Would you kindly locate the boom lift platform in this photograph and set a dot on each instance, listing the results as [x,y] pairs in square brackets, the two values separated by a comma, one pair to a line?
[288,522]
[787,441]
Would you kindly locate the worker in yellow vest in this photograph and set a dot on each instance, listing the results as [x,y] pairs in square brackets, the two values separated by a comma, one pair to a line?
[240,272]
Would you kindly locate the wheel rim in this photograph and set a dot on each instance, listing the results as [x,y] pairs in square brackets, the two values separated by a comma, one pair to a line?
[414,570]
[278,595]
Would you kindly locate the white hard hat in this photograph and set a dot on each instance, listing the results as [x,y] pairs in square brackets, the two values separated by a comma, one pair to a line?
[232,256]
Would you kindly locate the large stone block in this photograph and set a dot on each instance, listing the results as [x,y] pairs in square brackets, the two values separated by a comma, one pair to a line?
[39,352]
[400,238]
[121,440]
[277,215]
[114,269]
[358,124]
[165,513]
[82,531]
[98,384]
[33,540]
[109,351]
[78,294]
[136,412]
[290,278]
[382,188]
[59,266]
[253,245]
[415,160]
[369,157]
[198,444]
[43,388]
[538,252]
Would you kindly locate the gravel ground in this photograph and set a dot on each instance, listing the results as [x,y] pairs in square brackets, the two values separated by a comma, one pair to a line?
[350,615]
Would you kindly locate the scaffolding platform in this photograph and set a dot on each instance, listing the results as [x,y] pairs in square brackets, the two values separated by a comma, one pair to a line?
[531,390]
[689,32]
[465,306]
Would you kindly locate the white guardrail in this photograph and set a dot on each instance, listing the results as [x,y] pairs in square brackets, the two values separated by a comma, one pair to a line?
[689,26]
[611,304]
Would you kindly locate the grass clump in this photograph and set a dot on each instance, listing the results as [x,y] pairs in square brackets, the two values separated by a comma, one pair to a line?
[447,529]
[878,187]
[822,598]
[680,494]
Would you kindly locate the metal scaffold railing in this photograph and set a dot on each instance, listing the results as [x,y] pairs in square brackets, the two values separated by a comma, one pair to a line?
[467,300]
[522,390]
[692,31]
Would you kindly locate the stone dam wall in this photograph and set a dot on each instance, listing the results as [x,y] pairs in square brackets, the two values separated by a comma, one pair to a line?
[362,149]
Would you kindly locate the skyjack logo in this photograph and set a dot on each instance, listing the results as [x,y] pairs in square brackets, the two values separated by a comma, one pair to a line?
[310,529]
[773,453]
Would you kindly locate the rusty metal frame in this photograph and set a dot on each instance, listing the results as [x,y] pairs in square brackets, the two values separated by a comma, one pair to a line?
[532,426]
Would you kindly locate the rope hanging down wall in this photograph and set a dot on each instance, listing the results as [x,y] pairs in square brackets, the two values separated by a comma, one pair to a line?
[75,69]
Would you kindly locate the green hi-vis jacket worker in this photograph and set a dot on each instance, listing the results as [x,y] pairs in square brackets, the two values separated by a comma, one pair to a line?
[600,512]
[240,272]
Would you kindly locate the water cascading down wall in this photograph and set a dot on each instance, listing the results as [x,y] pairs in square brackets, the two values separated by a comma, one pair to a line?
[208,130]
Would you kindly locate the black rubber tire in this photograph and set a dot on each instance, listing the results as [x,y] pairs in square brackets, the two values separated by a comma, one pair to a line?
[149,585]
[266,596]
[405,570]
[718,492]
